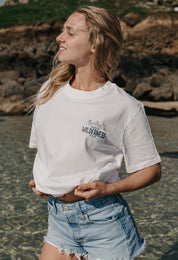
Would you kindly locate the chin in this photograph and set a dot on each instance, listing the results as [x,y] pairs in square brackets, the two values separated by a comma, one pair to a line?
[63,60]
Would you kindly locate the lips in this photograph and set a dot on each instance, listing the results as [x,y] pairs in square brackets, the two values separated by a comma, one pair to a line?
[62,48]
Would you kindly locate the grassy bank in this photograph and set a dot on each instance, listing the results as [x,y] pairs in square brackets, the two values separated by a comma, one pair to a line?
[51,10]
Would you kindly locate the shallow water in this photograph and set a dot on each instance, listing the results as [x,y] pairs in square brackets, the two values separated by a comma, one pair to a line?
[23,216]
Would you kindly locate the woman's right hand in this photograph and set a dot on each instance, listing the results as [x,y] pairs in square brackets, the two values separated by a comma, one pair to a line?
[38,193]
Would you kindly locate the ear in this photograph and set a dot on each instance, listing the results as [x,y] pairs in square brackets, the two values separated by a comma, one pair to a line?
[92,49]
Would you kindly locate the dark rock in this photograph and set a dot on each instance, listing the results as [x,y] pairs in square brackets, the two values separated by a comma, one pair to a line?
[176,92]
[131,19]
[164,2]
[164,109]
[5,63]
[130,66]
[15,98]
[26,66]
[142,91]
[52,48]
[163,93]
[137,67]
[10,74]
[32,86]
[21,80]
[161,112]
[146,66]
[130,86]
[120,80]
[174,81]
[12,108]
[156,80]
[43,65]
[10,88]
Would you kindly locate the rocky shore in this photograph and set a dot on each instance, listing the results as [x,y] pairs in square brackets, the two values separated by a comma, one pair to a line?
[148,67]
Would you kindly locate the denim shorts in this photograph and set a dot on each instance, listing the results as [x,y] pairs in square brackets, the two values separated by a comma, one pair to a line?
[100,229]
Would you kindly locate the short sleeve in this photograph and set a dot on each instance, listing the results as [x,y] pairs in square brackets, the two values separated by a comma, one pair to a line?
[138,145]
[33,139]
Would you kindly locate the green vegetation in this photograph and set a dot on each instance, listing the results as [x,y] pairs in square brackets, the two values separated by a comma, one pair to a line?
[51,10]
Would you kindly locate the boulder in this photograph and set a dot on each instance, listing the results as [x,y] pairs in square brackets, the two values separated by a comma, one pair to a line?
[24,1]
[16,98]
[164,109]
[131,85]
[174,81]
[142,91]
[163,2]
[156,80]
[9,88]
[154,22]
[120,80]
[9,74]
[26,65]
[131,19]
[32,86]
[12,108]
[14,2]
[43,65]
[21,80]
[163,93]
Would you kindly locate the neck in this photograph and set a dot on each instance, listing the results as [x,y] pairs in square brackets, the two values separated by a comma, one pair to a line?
[86,79]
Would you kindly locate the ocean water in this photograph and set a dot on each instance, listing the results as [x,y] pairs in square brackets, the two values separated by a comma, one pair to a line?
[23,216]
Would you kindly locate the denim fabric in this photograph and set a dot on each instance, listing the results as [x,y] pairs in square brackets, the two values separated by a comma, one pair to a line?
[101,229]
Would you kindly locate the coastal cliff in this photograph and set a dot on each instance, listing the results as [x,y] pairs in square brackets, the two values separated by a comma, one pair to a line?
[148,67]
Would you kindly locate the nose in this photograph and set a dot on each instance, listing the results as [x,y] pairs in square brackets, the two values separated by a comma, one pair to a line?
[60,37]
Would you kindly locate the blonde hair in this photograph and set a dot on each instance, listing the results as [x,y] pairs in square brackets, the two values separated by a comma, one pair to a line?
[105,33]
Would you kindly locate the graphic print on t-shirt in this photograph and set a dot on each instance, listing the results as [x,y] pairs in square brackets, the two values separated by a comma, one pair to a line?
[94,129]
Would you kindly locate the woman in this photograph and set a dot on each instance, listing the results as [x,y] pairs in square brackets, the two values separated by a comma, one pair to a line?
[83,126]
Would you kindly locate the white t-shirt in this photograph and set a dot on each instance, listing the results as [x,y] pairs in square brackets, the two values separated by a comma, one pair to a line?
[82,136]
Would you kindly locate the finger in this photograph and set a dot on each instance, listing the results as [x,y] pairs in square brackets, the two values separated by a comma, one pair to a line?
[88,195]
[38,193]
[31,183]
[85,187]
[79,193]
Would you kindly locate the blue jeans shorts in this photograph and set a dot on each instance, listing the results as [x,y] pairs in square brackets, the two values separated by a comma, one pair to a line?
[100,229]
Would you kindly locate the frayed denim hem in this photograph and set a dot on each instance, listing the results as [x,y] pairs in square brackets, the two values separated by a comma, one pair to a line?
[142,248]
[67,252]
[87,256]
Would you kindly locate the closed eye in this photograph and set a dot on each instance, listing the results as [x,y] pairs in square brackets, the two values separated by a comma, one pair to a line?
[70,34]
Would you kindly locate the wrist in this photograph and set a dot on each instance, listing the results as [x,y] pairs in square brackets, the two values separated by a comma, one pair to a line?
[111,189]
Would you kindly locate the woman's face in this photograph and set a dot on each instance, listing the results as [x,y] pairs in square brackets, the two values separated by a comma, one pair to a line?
[75,47]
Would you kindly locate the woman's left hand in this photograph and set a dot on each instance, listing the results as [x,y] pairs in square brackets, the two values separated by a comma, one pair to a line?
[92,190]
[38,193]
[135,181]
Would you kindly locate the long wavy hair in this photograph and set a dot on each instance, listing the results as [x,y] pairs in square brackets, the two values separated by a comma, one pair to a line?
[105,33]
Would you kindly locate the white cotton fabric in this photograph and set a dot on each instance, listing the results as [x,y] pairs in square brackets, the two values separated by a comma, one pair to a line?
[82,136]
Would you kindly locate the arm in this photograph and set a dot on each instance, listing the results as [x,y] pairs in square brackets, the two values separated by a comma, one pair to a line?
[137,180]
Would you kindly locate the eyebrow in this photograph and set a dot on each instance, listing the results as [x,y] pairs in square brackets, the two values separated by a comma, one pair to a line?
[67,27]
[71,28]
